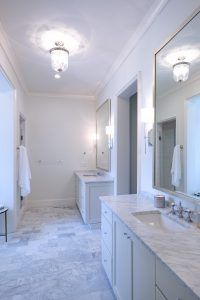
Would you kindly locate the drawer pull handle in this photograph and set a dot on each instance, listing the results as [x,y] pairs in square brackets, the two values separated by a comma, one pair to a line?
[128,237]
[125,233]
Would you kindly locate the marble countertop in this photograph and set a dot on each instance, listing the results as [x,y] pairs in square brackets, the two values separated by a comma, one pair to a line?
[93,176]
[179,250]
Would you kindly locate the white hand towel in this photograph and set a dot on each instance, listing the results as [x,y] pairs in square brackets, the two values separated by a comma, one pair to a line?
[176,166]
[24,172]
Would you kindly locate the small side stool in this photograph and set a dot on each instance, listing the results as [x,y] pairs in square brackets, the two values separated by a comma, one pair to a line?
[4,211]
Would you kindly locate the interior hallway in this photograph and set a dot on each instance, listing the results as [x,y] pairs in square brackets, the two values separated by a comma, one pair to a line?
[53,255]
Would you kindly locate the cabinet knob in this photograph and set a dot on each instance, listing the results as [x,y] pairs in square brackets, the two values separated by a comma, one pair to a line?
[105,212]
[128,237]
[105,260]
[105,232]
[125,233]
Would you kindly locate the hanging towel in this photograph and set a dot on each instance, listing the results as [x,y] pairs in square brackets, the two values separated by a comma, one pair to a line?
[176,166]
[24,172]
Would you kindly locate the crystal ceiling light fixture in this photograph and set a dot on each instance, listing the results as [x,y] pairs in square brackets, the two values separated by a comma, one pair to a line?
[59,57]
[181,70]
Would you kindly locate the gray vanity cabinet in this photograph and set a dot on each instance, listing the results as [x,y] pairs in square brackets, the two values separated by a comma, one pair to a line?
[122,260]
[143,271]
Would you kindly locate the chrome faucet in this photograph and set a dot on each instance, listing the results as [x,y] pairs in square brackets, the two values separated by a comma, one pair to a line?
[189,215]
[173,205]
[180,210]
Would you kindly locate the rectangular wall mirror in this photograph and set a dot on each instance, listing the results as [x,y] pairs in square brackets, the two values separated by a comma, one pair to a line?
[103,136]
[177,113]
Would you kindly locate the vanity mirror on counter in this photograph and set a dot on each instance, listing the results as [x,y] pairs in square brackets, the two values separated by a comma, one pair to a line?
[177,113]
[103,136]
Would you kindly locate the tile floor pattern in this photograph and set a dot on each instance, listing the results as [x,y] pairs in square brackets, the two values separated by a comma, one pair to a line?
[53,256]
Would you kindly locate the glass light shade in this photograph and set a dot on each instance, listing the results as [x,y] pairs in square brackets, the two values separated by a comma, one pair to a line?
[181,71]
[59,59]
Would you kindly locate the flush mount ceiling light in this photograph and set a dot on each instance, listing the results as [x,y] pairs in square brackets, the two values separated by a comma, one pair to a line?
[181,70]
[73,40]
[59,57]
[190,54]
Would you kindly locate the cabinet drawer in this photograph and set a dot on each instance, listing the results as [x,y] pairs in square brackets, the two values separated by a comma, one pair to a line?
[170,285]
[106,233]
[107,261]
[106,212]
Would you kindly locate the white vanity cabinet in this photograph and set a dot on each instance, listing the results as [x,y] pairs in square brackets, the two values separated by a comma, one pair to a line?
[122,260]
[169,285]
[88,191]
[135,271]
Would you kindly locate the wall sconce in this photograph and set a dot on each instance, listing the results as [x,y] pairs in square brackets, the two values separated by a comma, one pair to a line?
[147,117]
[109,133]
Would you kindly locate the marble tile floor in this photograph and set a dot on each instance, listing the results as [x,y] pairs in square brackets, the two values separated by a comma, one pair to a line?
[53,256]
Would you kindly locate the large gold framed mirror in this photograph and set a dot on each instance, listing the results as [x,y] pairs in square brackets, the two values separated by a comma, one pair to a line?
[103,136]
[177,113]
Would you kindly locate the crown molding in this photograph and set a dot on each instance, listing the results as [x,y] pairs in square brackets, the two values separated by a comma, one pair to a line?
[60,96]
[133,41]
[11,58]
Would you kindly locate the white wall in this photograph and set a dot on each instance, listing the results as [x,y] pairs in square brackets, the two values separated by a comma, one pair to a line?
[9,66]
[59,131]
[7,147]
[140,61]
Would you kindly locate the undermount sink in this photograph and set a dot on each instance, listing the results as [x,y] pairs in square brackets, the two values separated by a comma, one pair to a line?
[88,175]
[156,220]
[92,173]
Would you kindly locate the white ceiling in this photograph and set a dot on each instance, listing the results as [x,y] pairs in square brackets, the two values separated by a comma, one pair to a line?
[107,25]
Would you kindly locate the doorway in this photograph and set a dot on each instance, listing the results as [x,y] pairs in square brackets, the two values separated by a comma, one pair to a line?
[7,149]
[167,142]
[22,139]
[127,140]
[133,143]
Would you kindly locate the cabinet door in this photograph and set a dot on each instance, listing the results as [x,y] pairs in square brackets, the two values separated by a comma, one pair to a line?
[170,285]
[77,190]
[122,252]
[94,204]
[159,295]
[82,200]
[143,271]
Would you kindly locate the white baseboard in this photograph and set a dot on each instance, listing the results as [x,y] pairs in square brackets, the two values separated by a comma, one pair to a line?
[69,202]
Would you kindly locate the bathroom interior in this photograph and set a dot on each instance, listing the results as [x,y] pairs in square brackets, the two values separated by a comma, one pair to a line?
[99,156]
